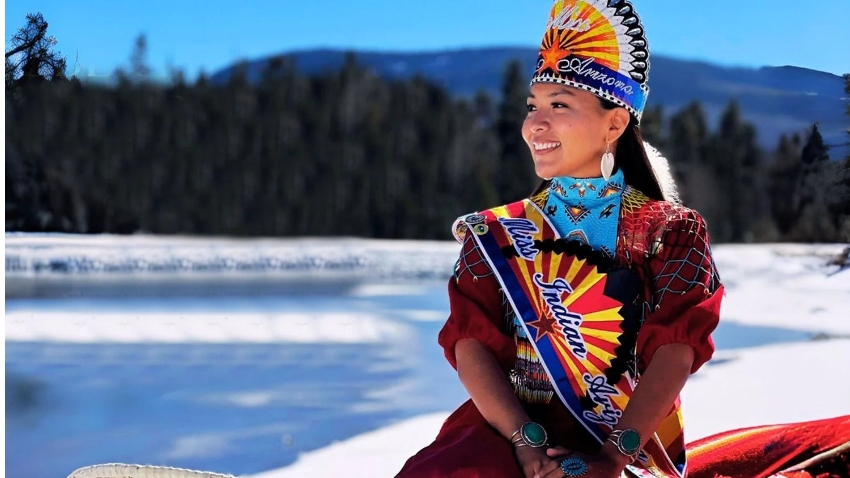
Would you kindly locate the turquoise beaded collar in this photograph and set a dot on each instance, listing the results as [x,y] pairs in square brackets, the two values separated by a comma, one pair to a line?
[586,209]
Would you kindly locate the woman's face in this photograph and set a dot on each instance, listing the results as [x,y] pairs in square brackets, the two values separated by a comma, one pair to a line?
[567,130]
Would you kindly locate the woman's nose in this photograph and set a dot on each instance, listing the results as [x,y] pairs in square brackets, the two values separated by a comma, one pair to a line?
[539,122]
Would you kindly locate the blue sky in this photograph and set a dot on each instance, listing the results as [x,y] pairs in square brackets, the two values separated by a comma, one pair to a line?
[196,35]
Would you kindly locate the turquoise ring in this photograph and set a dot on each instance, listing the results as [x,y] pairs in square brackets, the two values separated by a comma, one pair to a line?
[573,466]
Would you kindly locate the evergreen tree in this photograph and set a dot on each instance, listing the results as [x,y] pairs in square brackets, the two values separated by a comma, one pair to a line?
[842,203]
[516,177]
[484,148]
[784,175]
[815,151]
[652,127]
[32,57]
[735,158]
[816,193]
[686,152]
[813,154]
[140,72]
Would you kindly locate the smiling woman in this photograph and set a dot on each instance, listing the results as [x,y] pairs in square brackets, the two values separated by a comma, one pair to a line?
[577,314]
[563,119]
[560,129]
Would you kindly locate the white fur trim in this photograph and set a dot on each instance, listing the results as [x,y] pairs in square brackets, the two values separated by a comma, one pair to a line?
[661,168]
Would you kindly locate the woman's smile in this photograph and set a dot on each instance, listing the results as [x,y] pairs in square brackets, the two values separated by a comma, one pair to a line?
[541,148]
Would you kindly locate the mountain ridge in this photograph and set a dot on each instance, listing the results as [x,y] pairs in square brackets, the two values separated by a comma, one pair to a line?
[784,99]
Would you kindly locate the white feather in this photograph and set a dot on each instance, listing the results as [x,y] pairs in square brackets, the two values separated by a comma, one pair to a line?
[610,13]
[661,168]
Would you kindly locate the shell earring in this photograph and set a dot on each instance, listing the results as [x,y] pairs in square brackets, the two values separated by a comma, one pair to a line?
[607,163]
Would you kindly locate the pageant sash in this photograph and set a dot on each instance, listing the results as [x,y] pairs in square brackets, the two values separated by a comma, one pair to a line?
[575,310]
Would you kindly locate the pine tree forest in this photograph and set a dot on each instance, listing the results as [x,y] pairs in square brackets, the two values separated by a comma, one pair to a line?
[350,154]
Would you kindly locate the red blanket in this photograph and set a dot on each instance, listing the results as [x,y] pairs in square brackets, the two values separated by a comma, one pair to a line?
[816,449]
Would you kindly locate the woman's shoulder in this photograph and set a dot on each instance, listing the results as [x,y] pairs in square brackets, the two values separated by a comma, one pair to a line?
[638,207]
[650,226]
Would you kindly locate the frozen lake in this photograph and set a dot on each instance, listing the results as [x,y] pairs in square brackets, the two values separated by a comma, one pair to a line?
[199,401]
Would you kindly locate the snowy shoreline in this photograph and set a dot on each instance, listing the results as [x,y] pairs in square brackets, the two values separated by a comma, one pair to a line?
[150,257]
[145,257]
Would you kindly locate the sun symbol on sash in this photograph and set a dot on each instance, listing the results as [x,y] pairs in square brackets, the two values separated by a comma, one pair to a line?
[544,325]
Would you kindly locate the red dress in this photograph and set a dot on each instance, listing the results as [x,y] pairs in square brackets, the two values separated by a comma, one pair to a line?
[666,245]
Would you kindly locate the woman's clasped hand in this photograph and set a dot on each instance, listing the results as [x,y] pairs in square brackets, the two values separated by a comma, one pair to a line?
[558,462]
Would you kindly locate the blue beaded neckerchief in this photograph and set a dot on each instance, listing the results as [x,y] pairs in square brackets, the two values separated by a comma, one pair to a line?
[587,209]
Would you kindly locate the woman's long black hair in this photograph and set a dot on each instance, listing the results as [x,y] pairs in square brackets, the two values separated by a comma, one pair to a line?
[631,157]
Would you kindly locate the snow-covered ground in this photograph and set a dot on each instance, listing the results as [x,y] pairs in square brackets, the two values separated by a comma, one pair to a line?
[785,285]
[768,368]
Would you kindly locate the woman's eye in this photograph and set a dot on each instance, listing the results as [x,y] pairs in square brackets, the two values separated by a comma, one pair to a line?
[530,108]
[559,105]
